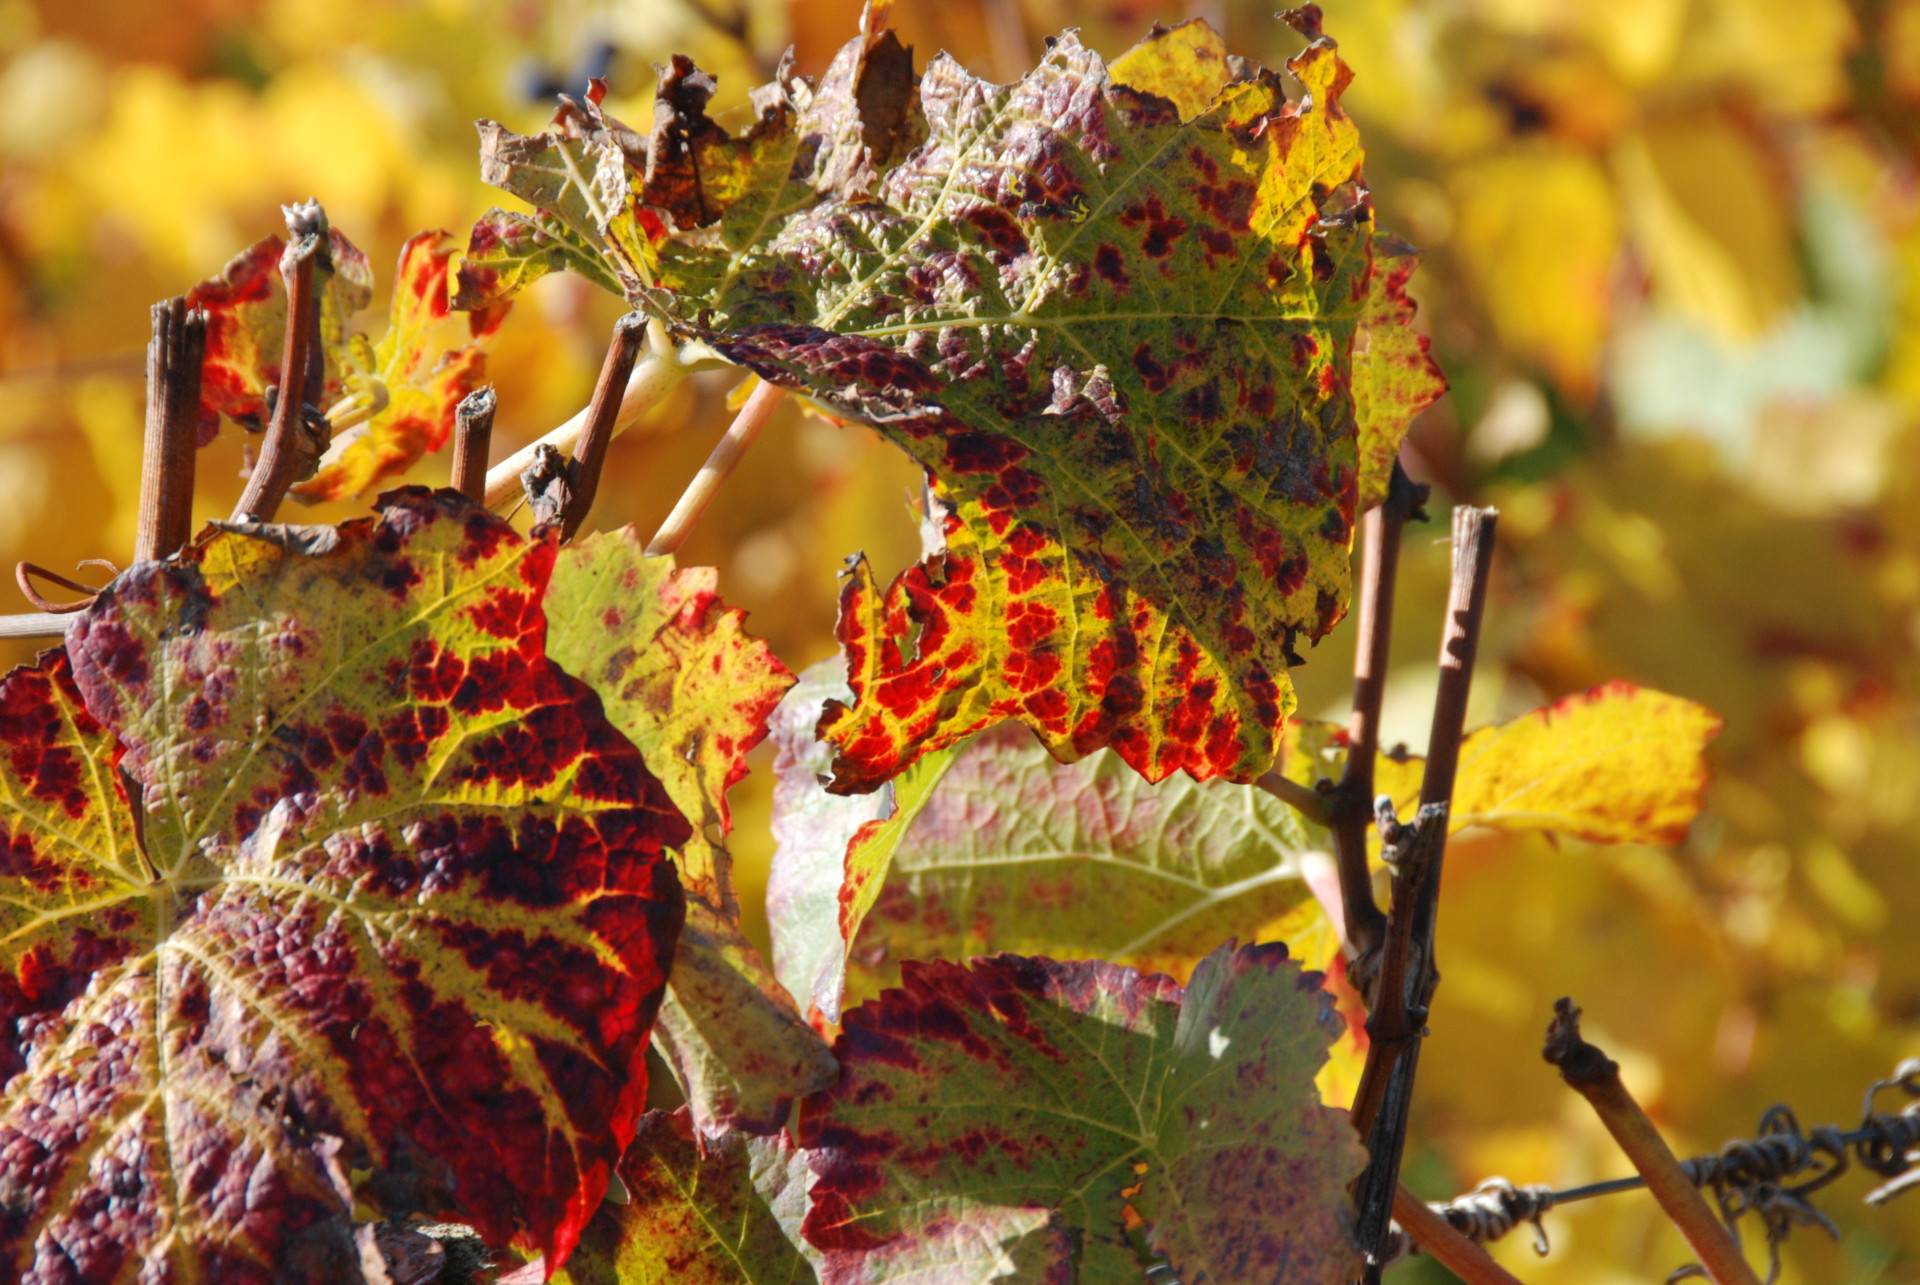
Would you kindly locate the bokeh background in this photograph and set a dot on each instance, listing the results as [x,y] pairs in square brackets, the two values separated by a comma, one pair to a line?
[1672,269]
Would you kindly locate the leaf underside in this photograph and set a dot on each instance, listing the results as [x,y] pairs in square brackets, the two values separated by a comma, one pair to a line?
[1000,848]
[1130,320]
[382,893]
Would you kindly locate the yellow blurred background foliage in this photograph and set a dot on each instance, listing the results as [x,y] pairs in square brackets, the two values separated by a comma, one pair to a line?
[1671,267]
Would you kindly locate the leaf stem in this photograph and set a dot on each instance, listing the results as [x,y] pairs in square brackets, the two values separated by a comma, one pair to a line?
[472,440]
[727,453]
[174,357]
[293,442]
[1596,1077]
[1408,976]
[1310,803]
[1444,1243]
[653,378]
[609,392]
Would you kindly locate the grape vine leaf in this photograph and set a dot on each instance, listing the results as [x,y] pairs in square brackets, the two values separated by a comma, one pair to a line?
[1131,345]
[1159,1127]
[388,402]
[579,178]
[1615,764]
[508,251]
[1008,850]
[728,1211]
[681,678]
[702,1211]
[316,865]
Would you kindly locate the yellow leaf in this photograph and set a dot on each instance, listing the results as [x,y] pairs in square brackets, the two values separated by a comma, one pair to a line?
[1538,230]
[1618,764]
[1187,67]
[1711,219]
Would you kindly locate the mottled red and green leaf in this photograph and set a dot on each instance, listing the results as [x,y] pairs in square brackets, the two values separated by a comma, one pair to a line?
[682,679]
[1122,329]
[1004,849]
[1159,1128]
[390,897]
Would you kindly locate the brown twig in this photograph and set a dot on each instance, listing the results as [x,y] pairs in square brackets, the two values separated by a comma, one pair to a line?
[1441,1241]
[1352,805]
[472,440]
[1404,987]
[174,357]
[296,433]
[1597,1079]
[590,452]
[1397,1016]
[725,457]
[653,378]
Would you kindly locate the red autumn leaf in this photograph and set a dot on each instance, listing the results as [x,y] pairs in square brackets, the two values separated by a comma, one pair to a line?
[316,866]
[246,307]
[681,677]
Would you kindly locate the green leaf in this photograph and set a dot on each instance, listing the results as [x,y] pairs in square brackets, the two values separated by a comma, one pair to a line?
[508,251]
[1157,1127]
[681,678]
[1121,339]
[701,1211]
[316,865]
[1007,850]
[577,176]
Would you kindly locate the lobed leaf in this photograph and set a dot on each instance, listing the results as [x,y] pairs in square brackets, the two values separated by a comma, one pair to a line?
[317,866]
[1005,849]
[680,677]
[577,177]
[1615,764]
[1116,319]
[1162,1130]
